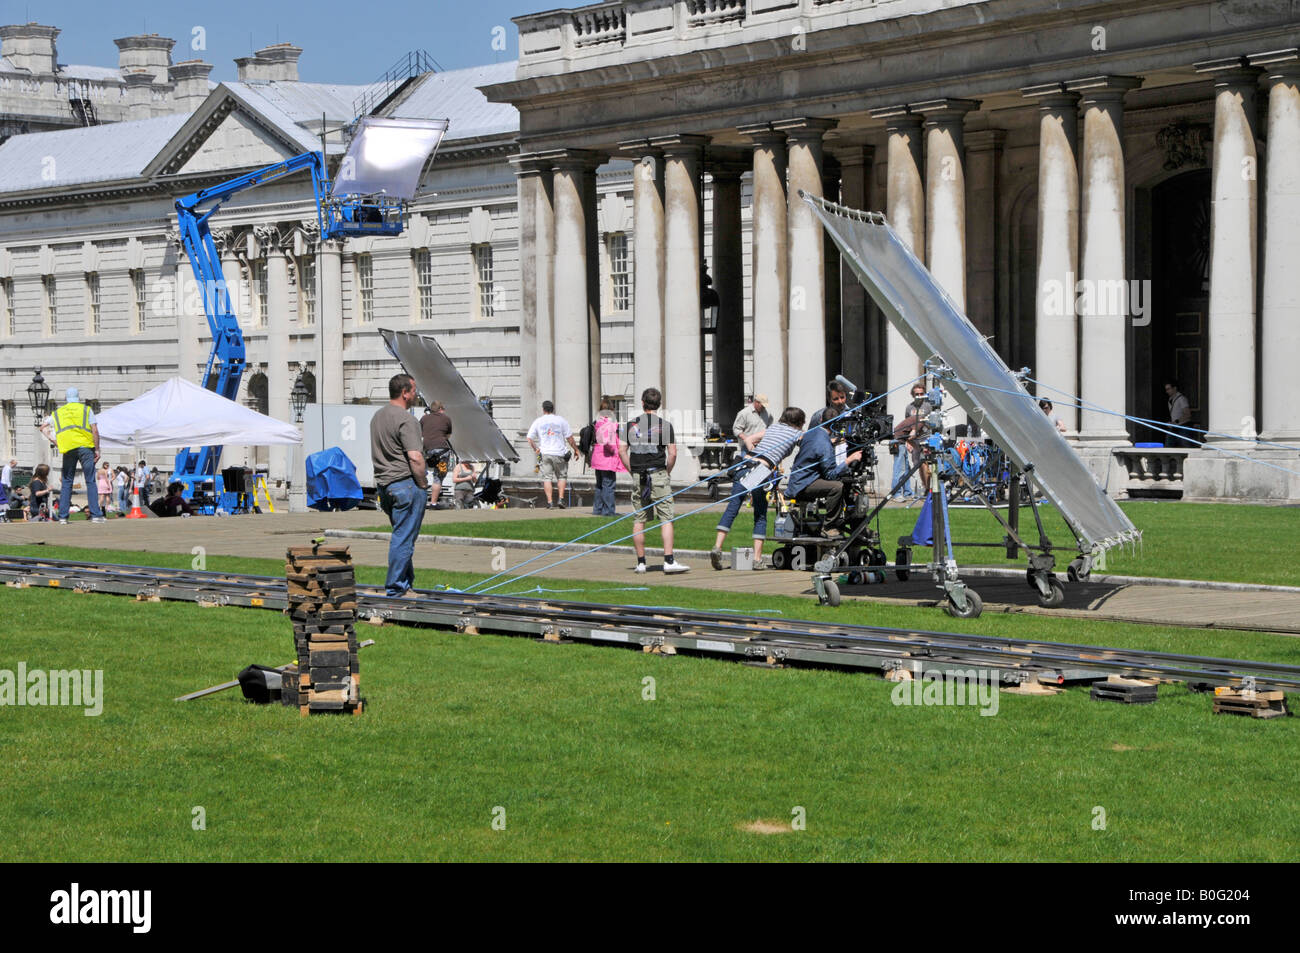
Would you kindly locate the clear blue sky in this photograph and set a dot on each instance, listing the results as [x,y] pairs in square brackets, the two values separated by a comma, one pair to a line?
[343,42]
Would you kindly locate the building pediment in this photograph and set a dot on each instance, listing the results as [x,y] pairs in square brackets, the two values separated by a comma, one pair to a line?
[230,131]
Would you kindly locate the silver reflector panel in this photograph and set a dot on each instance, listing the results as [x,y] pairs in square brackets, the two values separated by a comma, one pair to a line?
[386,157]
[475,435]
[933,325]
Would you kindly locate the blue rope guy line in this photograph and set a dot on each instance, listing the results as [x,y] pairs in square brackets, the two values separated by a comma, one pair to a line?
[1073,401]
[657,525]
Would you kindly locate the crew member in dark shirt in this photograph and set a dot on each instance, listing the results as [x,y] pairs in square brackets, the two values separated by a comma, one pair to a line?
[435,428]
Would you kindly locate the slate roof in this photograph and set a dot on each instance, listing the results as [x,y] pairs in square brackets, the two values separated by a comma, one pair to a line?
[454,95]
[107,153]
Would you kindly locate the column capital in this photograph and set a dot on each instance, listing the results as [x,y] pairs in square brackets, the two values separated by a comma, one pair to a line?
[1103,89]
[530,163]
[899,116]
[569,160]
[726,171]
[1051,97]
[1280,66]
[761,133]
[681,144]
[944,111]
[804,128]
[1231,71]
[985,140]
[639,148]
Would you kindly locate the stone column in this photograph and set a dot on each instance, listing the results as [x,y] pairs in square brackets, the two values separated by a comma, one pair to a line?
[1103,315]
[729,282]
[983,156]
[905,211]
[329,322]
[1230,384]
[769,281]
[536,261]
[1280,308]
[855,349]
[1056,347]
[647,266]
[572,393]
[683,371]
[237,293]
[590,216]
[806,335]
[279,377]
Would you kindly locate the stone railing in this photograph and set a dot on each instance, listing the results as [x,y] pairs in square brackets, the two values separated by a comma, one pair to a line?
[606,23]
[714,11]
[1153,471]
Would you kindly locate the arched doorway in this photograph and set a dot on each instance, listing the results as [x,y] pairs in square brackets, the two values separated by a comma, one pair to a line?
[1178,301]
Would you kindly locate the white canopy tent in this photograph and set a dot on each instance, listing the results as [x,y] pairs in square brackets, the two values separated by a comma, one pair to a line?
[178,413]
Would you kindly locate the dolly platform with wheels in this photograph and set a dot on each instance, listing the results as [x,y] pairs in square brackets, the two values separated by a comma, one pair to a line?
[960,600]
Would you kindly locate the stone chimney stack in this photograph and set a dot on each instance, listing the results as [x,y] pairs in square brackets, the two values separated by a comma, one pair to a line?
[139,93]
[277,63]
[30,46]
[190,79]
[149,52]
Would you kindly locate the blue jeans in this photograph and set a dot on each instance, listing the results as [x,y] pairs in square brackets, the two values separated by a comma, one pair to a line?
[403,503]
[604,503]
[86,457]
[737,501]
[902,464]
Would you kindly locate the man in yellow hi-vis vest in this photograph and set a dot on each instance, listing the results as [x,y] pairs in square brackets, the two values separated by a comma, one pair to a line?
[73,428]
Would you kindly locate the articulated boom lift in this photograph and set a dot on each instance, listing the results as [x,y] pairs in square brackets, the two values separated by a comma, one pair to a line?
[376,181]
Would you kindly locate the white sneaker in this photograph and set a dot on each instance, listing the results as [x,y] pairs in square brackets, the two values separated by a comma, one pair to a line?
[675,566]
[640,567]
[63,522]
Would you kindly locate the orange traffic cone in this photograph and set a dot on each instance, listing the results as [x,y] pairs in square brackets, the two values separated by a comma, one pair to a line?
[136,513]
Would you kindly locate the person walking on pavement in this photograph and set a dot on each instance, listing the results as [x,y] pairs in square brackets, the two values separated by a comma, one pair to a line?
[551,438]
[72,427]
[397,451]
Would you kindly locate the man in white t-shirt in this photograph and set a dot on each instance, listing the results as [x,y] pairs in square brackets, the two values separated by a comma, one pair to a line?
[551,438]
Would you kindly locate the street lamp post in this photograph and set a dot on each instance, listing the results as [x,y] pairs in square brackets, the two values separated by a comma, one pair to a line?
[298,401]
[709,304]
[38,398]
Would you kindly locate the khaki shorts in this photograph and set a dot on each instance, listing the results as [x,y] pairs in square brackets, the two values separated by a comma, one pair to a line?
[661,495]
[555,468]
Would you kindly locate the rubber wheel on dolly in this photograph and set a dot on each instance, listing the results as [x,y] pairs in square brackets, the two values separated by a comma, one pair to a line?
[832,593]
[1057,595]
[1074,572]
[903,559]
[781,558]
[974,606]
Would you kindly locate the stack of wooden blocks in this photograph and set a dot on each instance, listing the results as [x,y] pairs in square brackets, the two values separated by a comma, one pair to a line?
[323,605]
[1250,703]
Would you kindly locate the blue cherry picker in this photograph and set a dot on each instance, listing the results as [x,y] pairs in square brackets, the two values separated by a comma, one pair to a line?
[377,179]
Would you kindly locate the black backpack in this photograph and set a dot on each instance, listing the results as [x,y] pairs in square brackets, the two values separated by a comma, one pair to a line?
[586,438]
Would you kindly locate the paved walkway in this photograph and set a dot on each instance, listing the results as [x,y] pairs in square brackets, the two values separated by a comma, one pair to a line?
[268,535]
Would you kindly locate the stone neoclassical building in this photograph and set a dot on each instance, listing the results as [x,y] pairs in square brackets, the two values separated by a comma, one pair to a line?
[1110,190]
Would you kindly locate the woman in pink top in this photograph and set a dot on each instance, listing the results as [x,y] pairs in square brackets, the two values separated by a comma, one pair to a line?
[605,460]
[104,485]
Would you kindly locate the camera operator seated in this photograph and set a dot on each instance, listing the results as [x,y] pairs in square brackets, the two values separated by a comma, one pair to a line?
[815,475]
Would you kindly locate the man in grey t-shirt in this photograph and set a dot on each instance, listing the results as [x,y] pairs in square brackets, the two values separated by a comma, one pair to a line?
[397,451]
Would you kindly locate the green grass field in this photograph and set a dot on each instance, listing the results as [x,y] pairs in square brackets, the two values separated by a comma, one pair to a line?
[1219,541]
[560,738]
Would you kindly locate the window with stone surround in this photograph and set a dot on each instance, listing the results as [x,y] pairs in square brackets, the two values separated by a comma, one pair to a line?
[424,283]
[51,306]
[366,287]
[483,281]
[92,300]
[10,317]
[620,286]
[263,292]
[139,301]
[307,289]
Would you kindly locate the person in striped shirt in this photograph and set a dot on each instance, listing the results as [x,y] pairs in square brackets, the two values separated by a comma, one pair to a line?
[767,449]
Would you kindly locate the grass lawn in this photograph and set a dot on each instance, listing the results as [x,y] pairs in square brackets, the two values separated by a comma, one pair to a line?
[561,739]
[1222,541]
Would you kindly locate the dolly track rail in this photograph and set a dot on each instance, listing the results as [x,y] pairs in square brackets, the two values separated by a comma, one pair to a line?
[653,629]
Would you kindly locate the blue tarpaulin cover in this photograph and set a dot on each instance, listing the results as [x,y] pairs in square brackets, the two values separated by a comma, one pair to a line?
[332,481]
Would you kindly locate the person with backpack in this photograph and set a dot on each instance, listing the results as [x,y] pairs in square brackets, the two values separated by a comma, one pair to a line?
[598,442]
